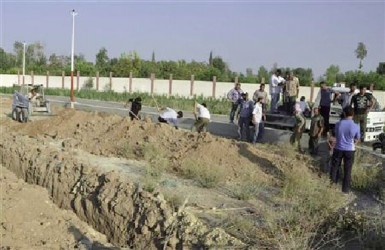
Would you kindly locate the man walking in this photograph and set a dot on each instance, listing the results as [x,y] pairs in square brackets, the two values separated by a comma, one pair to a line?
[246,107]
[347,135]
[315,132]
[276,82]
[362,103]
[234,96]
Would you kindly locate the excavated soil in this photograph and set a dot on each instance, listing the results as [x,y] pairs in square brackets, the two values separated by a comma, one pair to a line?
[97,165]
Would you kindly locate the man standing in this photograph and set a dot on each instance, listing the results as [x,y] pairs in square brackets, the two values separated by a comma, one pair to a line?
[292,90]
[234,96]
[257,118]
[300,123]
[263,94]
[276,82]
[246,107]
[362,103]
[203,117]
[324,100]
[347,135]
[345,99]
[315,132]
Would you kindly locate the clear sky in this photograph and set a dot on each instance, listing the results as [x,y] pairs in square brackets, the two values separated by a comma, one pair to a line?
[245,34]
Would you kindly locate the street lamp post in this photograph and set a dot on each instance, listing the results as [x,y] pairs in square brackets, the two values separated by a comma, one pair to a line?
[24,43]
[72,55]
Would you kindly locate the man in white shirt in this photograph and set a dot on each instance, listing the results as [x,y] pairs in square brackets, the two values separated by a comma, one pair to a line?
[202,115]
[275,90]
[257,118]
[169,116]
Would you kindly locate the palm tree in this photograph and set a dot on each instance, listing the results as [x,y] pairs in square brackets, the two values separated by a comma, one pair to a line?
[361,53]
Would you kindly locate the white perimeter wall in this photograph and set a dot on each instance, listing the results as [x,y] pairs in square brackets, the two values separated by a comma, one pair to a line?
[179,87]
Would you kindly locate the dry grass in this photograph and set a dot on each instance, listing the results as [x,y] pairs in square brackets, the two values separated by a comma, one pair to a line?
[206,176]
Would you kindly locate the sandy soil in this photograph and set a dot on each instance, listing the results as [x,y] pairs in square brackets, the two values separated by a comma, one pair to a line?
[29,220]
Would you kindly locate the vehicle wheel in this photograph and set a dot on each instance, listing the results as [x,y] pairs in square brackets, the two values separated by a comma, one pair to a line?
[14,114]
[23,115]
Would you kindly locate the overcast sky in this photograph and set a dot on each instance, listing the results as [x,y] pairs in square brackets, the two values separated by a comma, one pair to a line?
[245,34]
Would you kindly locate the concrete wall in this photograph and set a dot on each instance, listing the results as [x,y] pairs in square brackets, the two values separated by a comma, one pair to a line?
[160,86]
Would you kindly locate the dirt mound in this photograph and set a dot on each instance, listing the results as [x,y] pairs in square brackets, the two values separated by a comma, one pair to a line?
[112,135]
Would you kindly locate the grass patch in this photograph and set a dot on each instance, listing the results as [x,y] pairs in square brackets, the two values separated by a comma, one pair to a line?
[245,189]
[205,176]
[366,175]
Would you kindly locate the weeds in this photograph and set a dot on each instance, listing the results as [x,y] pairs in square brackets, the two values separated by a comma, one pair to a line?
[365,178]
[245,189]
[206,176]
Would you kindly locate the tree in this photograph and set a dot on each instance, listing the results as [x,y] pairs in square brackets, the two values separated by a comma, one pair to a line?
[361,53]
[102,61]
[381,68]
[331,73]
[211,58]
[263,74]
[153,57]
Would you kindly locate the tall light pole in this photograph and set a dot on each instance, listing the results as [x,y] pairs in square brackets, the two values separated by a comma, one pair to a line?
[72,55]
[24,43]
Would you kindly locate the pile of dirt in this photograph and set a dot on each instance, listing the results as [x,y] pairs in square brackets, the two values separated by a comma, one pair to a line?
[111,135]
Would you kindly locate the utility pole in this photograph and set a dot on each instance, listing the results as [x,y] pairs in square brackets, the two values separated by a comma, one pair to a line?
[72,57]
[24,43]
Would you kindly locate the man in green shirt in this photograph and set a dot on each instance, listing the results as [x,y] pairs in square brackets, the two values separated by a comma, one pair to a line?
[362,103]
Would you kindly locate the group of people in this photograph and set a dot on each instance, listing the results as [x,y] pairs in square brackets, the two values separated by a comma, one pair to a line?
[341,141]
[248,112]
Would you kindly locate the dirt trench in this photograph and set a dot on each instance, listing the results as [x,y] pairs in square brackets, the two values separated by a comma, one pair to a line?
[126,214]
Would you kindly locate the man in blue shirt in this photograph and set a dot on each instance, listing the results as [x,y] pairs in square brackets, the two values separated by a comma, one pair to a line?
[347,135]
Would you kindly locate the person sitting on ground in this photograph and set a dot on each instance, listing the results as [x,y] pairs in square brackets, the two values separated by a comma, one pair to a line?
[202,115]
[304,107]
[315,132]
[170,116]
[136,106]
[257,118]
[299,127]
